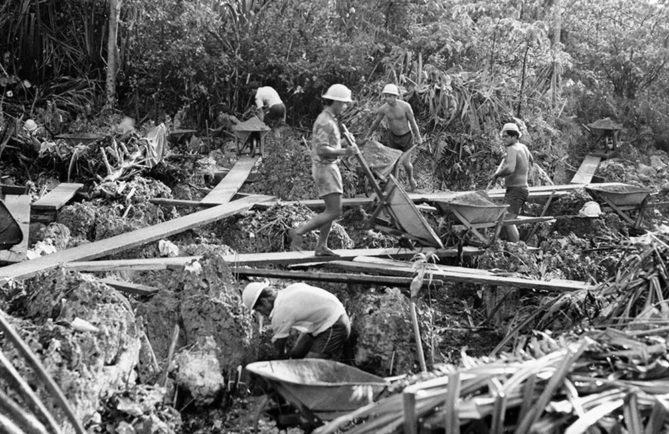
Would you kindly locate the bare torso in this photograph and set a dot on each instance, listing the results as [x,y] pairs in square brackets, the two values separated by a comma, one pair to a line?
[398,116]
[523,158]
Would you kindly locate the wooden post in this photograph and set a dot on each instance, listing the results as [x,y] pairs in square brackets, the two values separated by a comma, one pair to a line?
[416,331]
[112,51]
[410,420]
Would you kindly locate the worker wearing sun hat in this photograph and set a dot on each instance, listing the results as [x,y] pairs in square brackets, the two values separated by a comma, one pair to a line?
[515,170]
[318,315]
[326,149]
[403,131]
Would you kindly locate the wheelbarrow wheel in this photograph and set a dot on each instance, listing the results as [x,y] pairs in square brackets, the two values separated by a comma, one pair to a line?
[259,411]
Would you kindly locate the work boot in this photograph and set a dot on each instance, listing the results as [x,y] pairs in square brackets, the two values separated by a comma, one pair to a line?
[325,251]
[296,240]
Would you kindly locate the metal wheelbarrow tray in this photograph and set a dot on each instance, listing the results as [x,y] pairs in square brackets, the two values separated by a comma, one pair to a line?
[474,208]
[621,194]
[324,387]
[622,197]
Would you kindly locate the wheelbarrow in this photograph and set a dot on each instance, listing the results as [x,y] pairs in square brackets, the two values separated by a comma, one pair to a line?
[306,393]
[475,211]
[395,212]
[622,198]
[250,134]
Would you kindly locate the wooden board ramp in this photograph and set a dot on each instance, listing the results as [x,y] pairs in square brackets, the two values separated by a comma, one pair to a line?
[536,194]
[260,259]
[587,169]
[232,182]
[125,241]
[332,277]
[46,207]
[458,274]
[19,208]
[58,197]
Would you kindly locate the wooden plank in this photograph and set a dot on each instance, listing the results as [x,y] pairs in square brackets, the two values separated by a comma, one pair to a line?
[125,241]
[443,273]
[58,197]
[331,277]
[520,220]
[230,185]
[258,259]
[587,169]
[13,189]
[19,208]
[197,203]
[130,288]
[316,204]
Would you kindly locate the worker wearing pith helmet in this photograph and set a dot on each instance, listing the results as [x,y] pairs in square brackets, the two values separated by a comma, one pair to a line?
[515,170]
[402,129]
[338,92]
[326,149]
[511,127]
[390,89]
[318,315]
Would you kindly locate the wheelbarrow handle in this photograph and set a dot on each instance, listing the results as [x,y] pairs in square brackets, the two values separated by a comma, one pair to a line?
[351,141]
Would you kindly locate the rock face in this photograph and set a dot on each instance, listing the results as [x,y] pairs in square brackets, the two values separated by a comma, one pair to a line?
[84,364]
[198,371]
[204,301]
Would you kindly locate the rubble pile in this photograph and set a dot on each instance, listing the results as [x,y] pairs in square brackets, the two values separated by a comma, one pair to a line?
[203,300]
[48,312]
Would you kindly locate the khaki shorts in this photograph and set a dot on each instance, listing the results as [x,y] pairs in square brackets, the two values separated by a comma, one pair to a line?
[327,178]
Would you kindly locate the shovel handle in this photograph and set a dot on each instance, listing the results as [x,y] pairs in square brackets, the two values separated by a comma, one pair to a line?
[351,141]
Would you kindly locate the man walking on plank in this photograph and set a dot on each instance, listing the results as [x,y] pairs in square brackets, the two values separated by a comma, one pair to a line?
[515,169]
[325,152]
[402,129]
[319,316]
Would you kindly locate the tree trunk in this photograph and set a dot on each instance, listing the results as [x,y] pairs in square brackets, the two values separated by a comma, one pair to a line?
[522,82]
[112,52]
[557,30]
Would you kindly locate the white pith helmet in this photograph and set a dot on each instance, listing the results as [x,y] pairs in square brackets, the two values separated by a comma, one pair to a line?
[252,292]
[30,125]
[511,127]
[338,92]
[391,89]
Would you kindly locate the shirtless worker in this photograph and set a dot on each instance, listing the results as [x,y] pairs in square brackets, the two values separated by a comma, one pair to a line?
[402,129]
[318,315]
[515,169]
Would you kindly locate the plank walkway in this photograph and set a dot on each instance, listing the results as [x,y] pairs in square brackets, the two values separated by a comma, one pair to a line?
[231,183]
[536,194]
[332,277]
[58,197]
[458,274]
[259,259]
[587,170]
[19,208]
[125,241]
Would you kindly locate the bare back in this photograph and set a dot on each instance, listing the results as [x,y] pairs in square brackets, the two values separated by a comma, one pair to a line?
[519,159]
[398,117]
